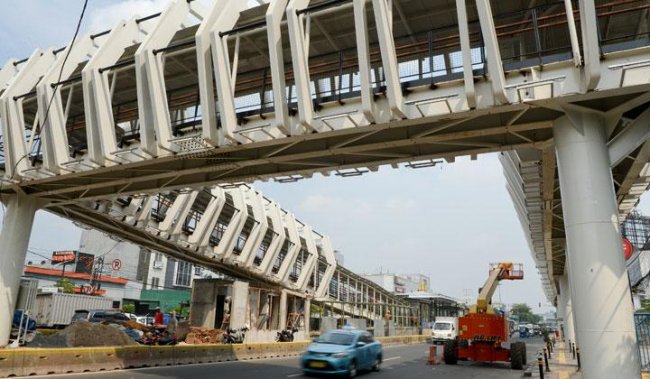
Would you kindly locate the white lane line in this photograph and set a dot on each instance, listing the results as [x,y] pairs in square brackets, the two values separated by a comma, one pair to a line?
[294,375]
[391,358]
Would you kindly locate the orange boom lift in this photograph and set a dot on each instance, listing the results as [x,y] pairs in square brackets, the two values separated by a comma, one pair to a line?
[482,331]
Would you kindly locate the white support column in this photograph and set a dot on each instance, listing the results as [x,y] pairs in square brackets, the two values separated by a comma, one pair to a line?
[466,49]
[307,315]
[13,123]
[239,304]
[363,55]
[100,123]
[300,58]
[573,33]
[384,23]
[233,230]
[564,306]
[183,213]
[175,211]
[600,290]
[225,82]
[634,135]
[144,214]
[201,236]
[570,320]
[274,15]
[276,244]
[308,268]
[290,258]
[54,138]
[258,232]
[283,310]
[155,121]
[206,75]
[14,239]
[494,63]
[7,73]
[328,253]
[590,45]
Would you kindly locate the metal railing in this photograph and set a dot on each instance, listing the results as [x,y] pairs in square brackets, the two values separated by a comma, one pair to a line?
[642,324]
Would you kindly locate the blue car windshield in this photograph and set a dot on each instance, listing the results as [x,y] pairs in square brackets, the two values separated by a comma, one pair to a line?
[336,338]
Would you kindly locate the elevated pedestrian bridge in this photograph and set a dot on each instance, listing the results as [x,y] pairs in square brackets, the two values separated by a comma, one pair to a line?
[234,230]
[194,97]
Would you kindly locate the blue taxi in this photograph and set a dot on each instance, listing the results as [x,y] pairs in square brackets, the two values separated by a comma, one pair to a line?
[342,351]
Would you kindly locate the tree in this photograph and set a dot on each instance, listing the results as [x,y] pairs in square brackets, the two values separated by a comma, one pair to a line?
[128,308]
[525,314]
[66,284]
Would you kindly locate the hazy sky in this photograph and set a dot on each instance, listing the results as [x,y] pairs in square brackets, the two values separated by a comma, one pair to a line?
[447,222]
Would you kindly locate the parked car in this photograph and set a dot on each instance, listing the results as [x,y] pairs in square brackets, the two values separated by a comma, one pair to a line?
[99,315]
[342,351]
[144,320]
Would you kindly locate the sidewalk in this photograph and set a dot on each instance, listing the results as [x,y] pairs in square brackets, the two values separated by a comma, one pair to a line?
[563,366]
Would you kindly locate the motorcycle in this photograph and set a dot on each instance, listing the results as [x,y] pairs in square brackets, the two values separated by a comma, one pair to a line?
[235,335]
[286,335]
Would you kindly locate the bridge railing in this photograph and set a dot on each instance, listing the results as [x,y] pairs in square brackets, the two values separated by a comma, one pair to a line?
[527,38]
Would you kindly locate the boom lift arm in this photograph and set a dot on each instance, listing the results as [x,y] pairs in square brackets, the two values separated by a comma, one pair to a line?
[498,272]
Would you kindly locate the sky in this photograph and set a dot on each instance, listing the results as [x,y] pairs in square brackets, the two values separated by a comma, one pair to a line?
[448,222]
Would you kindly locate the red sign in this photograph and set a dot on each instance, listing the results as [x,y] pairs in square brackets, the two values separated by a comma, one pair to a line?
[87,289]
[63,256]
[116,265]
[628,249]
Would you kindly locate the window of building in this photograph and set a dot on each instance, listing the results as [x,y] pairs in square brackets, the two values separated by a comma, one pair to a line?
[183,274]
[155,282]
[157,261]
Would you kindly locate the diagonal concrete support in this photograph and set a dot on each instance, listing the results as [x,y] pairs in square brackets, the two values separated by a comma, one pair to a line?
[600,291]
[14,239]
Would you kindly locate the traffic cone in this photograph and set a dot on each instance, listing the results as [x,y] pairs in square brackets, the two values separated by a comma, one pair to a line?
[433,351]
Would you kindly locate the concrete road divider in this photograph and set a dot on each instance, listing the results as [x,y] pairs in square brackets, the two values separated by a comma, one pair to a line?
[27,362]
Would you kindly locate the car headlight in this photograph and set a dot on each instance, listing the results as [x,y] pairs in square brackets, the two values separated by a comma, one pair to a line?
[339,355]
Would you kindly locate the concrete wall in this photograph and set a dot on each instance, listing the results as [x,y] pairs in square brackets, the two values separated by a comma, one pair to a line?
[29,362]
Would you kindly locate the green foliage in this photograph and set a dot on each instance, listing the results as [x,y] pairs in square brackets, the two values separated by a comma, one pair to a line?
[66,284]
[128,308]
[525,314]
[182,311]
[315,309]
[645,304]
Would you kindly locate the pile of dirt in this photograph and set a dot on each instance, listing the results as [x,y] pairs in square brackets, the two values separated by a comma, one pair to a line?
[90,334]
[85,334]
[198,336]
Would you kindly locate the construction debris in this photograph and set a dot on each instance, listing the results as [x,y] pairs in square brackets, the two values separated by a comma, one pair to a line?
[198,336]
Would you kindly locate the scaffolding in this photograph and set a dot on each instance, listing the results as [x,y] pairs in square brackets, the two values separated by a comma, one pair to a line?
[636,229]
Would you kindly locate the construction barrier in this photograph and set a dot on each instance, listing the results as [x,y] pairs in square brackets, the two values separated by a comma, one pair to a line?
[28,362]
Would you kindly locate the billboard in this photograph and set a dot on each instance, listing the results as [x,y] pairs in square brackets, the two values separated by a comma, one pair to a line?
[66,256]
[85,263]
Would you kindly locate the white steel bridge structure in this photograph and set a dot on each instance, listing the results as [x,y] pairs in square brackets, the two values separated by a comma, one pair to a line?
[163,111]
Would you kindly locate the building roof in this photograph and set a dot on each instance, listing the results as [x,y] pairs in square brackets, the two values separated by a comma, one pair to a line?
[72,275]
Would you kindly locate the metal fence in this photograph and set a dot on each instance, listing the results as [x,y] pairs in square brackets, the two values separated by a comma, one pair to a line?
[642,323]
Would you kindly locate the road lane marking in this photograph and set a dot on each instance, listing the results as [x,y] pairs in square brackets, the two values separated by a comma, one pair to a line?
[294,375]
[391,358]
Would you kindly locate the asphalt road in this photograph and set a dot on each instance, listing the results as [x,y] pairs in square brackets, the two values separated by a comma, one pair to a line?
[405,361]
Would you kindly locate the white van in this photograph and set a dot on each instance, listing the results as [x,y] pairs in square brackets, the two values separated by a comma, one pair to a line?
[444,329]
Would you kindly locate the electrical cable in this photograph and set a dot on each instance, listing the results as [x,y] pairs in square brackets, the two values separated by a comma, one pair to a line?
[65,59]
[49,105]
